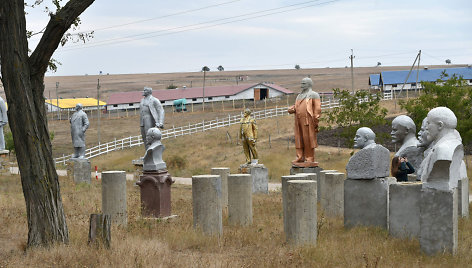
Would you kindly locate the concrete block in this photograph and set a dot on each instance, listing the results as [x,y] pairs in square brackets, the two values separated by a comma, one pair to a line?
[206,199]
[332,194]
[438,221]
[240,199]
[114,196]
[404,209]
[369,163]
[78,169]
[301,224]
[223,172]
[463,197]
[260,177]
[296,170]
[319,187]
[366,202]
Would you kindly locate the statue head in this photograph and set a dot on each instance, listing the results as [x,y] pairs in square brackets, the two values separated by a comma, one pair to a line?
[441,120]
[306,83]
[402,127]
[78,106]
[423,134]
[364,136]
[147,91]
[247,112]
[153,135]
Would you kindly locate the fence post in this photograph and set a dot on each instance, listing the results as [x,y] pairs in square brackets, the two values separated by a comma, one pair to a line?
[107,148]
[233,104]
[122,144]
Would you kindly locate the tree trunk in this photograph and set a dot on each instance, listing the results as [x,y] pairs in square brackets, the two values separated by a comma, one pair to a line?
[23,79]
[100,230]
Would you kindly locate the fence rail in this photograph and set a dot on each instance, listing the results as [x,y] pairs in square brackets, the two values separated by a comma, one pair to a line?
[203,126]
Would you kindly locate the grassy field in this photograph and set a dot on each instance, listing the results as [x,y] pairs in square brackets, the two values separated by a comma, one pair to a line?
[148,243]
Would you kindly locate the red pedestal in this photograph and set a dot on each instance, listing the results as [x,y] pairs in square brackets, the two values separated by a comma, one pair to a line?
[155,193]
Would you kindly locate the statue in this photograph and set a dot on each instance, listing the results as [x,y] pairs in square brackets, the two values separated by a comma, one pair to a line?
[151,113]
[372,161]
[441,168]
[424,145]
[248,131]
[153,156]
[307,110]
[404,134]
[3,122]
[79,123]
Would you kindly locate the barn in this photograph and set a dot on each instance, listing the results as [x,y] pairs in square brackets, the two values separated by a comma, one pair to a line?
[259,91]
[52,105]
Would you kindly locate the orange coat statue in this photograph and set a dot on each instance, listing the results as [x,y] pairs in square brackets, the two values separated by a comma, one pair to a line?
[307,110]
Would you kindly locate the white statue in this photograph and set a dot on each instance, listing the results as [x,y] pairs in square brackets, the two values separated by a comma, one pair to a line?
[153,156]
[3,122]
[79,123]
[151,113]
[404,134]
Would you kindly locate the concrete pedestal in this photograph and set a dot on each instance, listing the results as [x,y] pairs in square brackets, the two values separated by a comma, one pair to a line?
[240,199]
[114,196]
[223,172]
[463,197]
[4,162]
[78,169]
[332,194]
[284,181]
[404,209]
[319,187]
[260,177]
[155,190]
[301,212]
[138,169]
[366,202]
[206,199]
[438,221]
[296,170]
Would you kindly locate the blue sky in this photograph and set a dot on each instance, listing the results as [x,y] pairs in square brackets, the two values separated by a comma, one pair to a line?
[158,37]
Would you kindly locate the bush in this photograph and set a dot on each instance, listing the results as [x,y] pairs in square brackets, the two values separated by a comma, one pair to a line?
[176,162]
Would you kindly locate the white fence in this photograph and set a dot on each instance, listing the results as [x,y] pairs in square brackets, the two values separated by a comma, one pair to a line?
[174,132]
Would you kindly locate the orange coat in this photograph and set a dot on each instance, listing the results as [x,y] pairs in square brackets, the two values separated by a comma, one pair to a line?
[307,113]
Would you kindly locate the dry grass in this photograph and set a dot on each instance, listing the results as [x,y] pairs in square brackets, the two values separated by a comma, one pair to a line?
[176,244]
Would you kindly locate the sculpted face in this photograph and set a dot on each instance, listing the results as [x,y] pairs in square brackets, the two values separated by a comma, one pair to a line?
[306,83]
[360,139]
[78,107]
[147,91]
[423,135]
[433,129]
[398,133]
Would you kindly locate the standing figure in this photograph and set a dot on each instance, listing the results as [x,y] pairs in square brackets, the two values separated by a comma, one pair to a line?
[78,125]
[248,131]
[3,121]
[151,113]
[307,110]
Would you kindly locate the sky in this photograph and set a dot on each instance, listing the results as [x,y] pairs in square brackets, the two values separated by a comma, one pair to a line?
[159,36]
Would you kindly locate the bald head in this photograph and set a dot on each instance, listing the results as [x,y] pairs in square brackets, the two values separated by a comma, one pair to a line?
[364,136]
[306,83]
[402,127]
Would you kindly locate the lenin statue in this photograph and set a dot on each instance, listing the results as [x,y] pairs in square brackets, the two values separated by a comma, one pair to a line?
[151,114]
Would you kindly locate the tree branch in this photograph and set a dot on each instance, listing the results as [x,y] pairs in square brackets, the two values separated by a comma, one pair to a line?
[58,25]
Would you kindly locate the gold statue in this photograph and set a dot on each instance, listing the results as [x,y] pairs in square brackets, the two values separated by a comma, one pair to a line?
[307,110]
[248,131]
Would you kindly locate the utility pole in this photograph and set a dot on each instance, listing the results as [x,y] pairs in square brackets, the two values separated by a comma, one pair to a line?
[352,70]
[418,71]
[98,110]
[57,102]
[204,76]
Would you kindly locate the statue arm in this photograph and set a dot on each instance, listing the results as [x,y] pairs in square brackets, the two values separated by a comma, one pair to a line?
[291,109]
[254,128]
[317,108]
[160,113]
[85,122]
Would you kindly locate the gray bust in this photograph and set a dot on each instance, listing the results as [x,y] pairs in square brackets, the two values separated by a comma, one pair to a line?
[153,156]
[79,123]
[423,145]
[151,113]
[404,135]
[3,122]
[441,168]
[372,161]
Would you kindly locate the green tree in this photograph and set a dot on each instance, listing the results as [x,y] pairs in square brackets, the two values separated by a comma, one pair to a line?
[452,93]
[22,75]
[361,109]
[297,66]
[221,68]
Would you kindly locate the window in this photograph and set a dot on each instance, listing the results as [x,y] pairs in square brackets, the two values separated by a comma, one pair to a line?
[227,97]
[413,84]
[194,99]
[115,105]
[162,101]
[131,104]
[394,85]
[210,98]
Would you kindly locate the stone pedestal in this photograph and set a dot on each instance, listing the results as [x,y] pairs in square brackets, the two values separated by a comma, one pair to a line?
[4,162]
[206,199]
[155,194]
[240,199]
[260,177]
[138,169]
[223,172]
[114,196]
[284,181]
[366,202]
[301,224]
[332,194]
[404,209]
[438,221]
[319,187]
[78,169]
[463,197]
[412,177]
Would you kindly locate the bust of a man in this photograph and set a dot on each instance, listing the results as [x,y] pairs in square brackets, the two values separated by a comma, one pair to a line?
[153,156]
[372,161]
[441,167]
[404,135]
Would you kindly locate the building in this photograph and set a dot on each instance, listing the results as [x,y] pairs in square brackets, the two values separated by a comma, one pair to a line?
[69,104]
[374,81]
[260,91]
[393,80]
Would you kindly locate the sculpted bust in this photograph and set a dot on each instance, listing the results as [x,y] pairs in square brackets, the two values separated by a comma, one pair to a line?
[153,156]
[441,167]
[404,134]
[372,161]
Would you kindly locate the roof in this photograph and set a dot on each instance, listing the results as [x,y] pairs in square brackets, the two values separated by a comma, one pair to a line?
[71,103]
[374,79]
[427,75]
[188,93]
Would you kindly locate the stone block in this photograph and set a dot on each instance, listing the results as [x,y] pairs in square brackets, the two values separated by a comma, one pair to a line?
[79,170]
[260,177]
[369,163]
[224,173]
[240,199]
[114,196]
[463,197]
[206,201]
[155,191]
[366,202]
[332,194]
[319,187]
[438,221]
[404,209]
